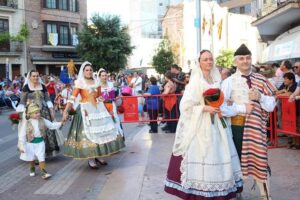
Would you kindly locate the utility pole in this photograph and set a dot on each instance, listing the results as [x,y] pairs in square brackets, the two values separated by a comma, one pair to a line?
[198,28]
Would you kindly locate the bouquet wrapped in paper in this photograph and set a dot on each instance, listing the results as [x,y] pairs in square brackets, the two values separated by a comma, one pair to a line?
[214,97]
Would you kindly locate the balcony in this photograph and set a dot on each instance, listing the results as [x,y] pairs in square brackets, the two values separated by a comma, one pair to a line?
[275,19]
[12,48]
[9,5]
[67,46]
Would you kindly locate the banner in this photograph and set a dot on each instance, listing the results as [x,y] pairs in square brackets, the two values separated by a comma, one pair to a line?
[131,113]
[220,27]
[75,40]
[53,38]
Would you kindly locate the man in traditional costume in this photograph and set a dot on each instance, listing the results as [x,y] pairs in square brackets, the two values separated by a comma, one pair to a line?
[249,98]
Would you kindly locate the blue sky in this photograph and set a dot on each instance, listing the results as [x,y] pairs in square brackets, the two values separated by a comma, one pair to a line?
[114,7]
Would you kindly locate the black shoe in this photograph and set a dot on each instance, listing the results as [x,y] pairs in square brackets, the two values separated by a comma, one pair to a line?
[92,166]
[152,131]
[100,162]
[168,131]
[164,128]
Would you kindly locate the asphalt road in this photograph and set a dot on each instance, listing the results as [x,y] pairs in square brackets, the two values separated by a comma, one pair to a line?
[72,179]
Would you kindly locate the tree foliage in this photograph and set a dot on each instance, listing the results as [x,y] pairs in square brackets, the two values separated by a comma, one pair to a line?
[164,57]
[104,43]
[225,59]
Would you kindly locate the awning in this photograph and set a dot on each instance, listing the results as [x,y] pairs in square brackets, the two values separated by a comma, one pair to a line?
[54,61]
[286,46]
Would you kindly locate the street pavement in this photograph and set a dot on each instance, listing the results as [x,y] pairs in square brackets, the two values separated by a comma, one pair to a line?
[136,173]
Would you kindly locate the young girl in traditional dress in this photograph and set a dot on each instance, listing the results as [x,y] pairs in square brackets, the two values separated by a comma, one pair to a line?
[31,140]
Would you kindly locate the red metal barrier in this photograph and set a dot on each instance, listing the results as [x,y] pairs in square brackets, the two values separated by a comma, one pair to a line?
[286,118]
[165,106]
[289,119]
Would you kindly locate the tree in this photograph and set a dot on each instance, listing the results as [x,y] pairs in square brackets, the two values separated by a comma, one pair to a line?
[104,43]
[164,57]
[225,59]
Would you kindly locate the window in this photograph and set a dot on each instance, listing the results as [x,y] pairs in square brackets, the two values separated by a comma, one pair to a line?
[51,28]
[242,10]
[73,5]
[63,5]
[70,5]
[4,28]
[4,25]
[3,2]
[65,32]
[50,3]
[63,35]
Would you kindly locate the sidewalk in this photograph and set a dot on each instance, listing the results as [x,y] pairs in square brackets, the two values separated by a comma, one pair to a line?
[142,170]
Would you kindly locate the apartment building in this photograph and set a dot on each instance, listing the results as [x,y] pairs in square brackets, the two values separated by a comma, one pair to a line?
[278,24]
[12,60]
[53,25]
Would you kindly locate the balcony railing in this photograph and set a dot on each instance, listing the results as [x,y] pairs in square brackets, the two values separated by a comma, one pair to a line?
[68,41]
[9,3]
[12,46]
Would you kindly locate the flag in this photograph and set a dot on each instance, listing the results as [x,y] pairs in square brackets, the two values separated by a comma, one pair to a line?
[53,38]
[210,31]
[75,40]
[203,24]
[220,26]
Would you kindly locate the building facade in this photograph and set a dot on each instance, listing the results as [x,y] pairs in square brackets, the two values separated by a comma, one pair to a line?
[278,24]
[145,29]
[172,26]
[53,25]
[237,6]
[12,59]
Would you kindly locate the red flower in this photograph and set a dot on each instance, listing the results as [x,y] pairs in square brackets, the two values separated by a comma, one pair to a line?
[72,111]
[15,118]
[211,91]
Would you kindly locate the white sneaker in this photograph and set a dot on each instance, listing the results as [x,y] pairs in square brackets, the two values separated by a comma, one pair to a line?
[32,174]
[45,175]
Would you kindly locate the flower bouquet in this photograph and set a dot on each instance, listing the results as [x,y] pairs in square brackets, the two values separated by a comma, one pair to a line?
[15,119]
[214,97]
[72,111]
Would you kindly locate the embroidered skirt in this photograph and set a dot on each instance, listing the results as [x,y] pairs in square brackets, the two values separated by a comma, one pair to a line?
[173,186]
[79,146]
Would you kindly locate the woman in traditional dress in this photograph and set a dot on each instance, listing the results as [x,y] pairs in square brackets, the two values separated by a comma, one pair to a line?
[93,133]
[35,91]
[108,93]
[204,164]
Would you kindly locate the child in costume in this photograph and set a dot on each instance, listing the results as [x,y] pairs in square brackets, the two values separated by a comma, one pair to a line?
[31,141]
